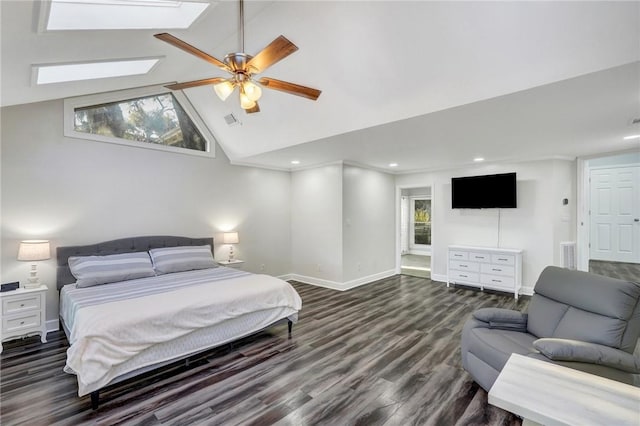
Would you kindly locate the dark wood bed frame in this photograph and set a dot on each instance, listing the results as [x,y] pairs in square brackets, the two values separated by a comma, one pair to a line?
[130,245]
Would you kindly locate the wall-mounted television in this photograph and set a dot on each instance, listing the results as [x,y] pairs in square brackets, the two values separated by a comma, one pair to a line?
[484,192]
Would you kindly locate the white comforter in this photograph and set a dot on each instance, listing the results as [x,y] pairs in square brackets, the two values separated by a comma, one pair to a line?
[109,334]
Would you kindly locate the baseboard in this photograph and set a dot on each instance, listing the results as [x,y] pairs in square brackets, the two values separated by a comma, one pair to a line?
[52,325]
[335,285]
[527,291]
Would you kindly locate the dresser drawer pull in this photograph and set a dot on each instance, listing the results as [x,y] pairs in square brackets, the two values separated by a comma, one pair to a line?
[22,305]
[21,322]
[503,259]
[497,281]
[457,255]
[464,276]
[479,257]
[496,269]
[463,266]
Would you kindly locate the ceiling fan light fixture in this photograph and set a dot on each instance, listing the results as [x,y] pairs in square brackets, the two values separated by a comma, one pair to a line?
[245,102]
[224,89]
[252,90]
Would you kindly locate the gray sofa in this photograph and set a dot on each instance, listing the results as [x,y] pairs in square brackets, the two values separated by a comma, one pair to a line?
[576,319]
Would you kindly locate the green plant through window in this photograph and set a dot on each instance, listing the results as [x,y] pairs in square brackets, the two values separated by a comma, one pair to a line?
[422,222]
[157,119]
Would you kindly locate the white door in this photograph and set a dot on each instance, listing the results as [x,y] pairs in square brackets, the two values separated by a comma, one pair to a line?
[615,214]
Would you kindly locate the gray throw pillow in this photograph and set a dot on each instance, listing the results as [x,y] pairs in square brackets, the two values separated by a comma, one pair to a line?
[184,258]
[96,270]
[577,351]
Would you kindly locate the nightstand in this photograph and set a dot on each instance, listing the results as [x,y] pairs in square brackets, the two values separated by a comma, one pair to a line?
[235,263]
[23,313]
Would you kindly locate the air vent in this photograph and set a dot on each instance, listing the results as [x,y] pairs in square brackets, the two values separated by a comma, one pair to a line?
[231,120]
[568,255]
[635,121]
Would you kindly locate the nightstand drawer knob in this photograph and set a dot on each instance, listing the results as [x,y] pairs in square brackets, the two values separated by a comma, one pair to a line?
[22,305]
[21,322]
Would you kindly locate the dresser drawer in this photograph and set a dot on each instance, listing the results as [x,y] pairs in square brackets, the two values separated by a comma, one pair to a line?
[497,281]
[21,322]
[16,304]
[464,276]
[480,257]
[503,259]
[487,268]
[458,255]
[464,266]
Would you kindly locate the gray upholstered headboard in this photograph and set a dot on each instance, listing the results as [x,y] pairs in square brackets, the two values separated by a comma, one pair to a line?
[124,245]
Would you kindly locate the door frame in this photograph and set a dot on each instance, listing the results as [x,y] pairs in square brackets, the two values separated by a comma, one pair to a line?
[399,189]
[583,202]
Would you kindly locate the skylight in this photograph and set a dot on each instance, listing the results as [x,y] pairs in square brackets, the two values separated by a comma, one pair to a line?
[91,70]
[122,14]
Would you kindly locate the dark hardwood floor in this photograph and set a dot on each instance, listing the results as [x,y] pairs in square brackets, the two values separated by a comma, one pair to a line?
[620,270]
[385,353]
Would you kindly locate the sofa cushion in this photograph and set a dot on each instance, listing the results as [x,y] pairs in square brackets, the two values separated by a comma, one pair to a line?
[577,324]
[496,346]
[544,315]
[590,292]
[574,350]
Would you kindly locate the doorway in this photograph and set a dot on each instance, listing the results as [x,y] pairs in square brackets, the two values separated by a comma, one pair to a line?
[415,231]
[609,237]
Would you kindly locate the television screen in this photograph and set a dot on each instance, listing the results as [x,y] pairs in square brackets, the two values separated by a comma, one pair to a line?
[484,192]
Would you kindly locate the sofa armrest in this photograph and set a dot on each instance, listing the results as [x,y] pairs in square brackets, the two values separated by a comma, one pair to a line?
[504,319]
[577,351]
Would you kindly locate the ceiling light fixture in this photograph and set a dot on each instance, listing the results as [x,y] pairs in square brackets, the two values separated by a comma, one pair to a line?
[294,162]
[60,73]
[393,164]
[478,159]
[628,138]
[243,68]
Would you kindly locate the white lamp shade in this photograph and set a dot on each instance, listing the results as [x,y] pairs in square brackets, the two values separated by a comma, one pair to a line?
[34,250]
[224,89]
[230,238]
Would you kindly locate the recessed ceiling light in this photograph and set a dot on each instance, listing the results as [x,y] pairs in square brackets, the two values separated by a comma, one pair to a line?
[627,138]
[478,159]
[393,164]
[91,70]
[295,162]
[122,14]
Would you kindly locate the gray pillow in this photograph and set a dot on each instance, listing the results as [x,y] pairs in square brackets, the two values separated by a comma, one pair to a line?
[184,258]
[577,351]
[96,270]
[500,315]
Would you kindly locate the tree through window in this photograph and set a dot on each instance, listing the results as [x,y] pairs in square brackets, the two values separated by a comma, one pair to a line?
[156,119]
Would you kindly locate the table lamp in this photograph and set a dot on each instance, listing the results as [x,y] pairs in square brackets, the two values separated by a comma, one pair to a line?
[230,238]
[34,250]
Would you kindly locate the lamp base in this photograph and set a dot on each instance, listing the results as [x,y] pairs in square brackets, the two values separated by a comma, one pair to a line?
[32,285]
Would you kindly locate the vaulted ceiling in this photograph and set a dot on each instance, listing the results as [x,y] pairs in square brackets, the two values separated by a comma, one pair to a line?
[427,85]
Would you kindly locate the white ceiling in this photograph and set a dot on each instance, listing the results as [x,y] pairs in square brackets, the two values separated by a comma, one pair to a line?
[428,85]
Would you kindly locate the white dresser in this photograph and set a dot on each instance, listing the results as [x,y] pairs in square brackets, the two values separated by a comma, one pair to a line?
[23,313]
[485,267]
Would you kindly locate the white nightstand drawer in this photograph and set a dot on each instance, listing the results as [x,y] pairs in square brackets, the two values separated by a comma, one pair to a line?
[21,322]
[498,270]
[503,259]
[497,281]
[480,257]
[16,304]
[464,276]
[458,255]
[464,266]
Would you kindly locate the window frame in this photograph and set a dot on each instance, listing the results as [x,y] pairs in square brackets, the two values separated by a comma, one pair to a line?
[70,105]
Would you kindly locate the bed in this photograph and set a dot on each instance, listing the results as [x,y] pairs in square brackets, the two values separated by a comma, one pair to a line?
[140,320]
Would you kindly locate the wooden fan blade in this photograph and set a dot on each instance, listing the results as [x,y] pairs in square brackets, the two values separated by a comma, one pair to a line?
[293,89]
[277,50]
[195,83]
[252,110]
[174,41]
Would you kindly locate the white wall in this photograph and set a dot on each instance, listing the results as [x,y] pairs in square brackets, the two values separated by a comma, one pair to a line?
[74,191]
[316,223]
[536,226]
[368,223]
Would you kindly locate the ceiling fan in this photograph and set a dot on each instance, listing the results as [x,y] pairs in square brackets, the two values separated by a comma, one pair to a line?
[243,68]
